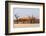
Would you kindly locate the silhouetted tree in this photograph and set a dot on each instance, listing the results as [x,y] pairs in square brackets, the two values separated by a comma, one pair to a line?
[16,18]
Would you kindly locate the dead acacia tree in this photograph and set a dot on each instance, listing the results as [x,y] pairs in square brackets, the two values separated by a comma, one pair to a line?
[16,18]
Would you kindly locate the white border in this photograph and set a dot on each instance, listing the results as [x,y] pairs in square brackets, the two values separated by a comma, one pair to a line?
[17,5]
